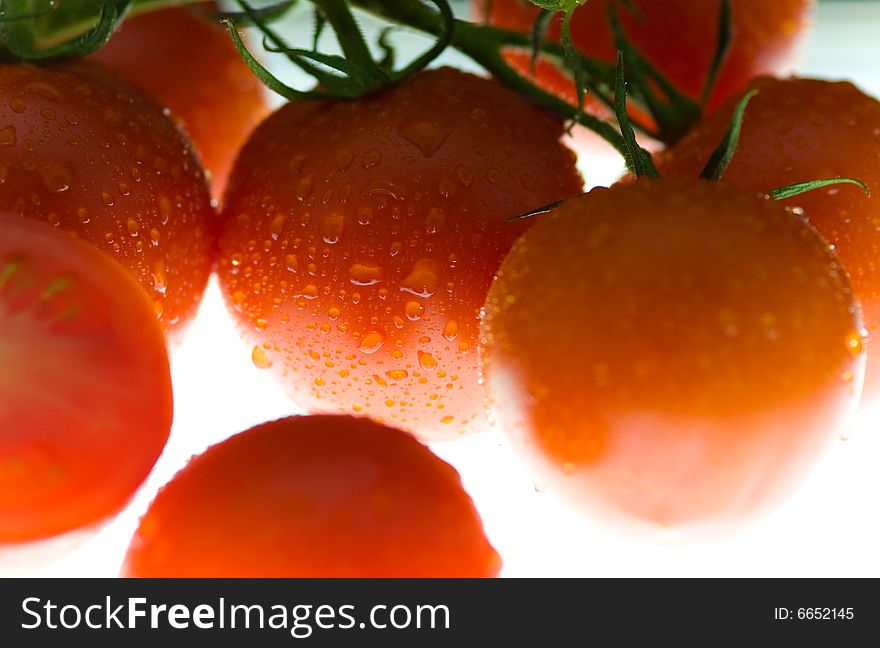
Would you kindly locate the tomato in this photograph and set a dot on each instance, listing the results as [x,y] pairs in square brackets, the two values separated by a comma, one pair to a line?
[678,36]
[194,69]
[805,129]
[359,239]
[85,390]
[84,151]
[672,353]
[319,496]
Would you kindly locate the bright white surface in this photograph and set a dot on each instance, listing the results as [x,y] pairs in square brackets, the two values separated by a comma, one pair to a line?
[831,527]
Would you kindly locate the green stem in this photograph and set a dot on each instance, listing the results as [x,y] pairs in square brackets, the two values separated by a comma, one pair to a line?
[484,46]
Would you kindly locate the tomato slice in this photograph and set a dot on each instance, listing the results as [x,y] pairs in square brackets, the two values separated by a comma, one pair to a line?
[85,387]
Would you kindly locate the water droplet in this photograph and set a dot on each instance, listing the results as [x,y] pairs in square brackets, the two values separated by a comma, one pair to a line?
[450,331]
[424,340]
[422,279]
[107,199]
[291,262]
[396,375]
[435,221]
[276,227]
[309,292]
[446,420]
[465,175]
[371,342]
[493,176]
[83,215]
[426,133]
[304,187]
[413,310]
[160,278]
[365,274]
[132,226]
[260,324]
[372,158]
[333,225]
[395,248]
[427,361]
[164,209]
[18,104]
[260,358]
[855,343]
[8,136]
[56,179]
[45,90]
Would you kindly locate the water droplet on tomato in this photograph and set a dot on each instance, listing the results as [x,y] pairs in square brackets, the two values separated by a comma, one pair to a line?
[371,342]
[422,279]
[450,331]
[426,133]
[133,227]
[372,158]
[8,136]
[427,361]
[413,310]
[56,179]
[365,274]
[435,221]
[333,226]
[260,358]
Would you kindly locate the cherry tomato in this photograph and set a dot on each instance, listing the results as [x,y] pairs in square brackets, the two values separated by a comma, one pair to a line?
[85,390]
[678,36]
[319,496]
[359,239]
[194,69]
[85,152]
[804,129]
[672,353]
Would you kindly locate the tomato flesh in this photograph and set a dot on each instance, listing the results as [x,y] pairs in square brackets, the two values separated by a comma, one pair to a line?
[85,391]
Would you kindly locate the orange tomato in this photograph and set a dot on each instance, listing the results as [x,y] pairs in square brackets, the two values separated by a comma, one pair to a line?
[673,352]
[190,65]
[359,239]
[313,497]
[805,129]
[85,390]
[84,151]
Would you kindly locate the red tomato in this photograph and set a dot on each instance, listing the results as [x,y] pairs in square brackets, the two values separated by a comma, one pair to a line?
[360,238]
[85,152]
[678,36]
[307,497]
[672,352]
[85,391]
[191,66]
[805,129]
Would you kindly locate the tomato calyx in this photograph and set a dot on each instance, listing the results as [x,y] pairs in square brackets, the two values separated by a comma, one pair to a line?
[352,75]
[641,163]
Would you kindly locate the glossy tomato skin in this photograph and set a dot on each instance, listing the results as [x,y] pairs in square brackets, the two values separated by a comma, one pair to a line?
[806,129]
[85,390]
[359,239]
[673,353]
[314,497]
[679,37]
[86,152]
[194,70]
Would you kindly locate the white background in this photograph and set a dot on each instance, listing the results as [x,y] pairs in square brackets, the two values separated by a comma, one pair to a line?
[831,527]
